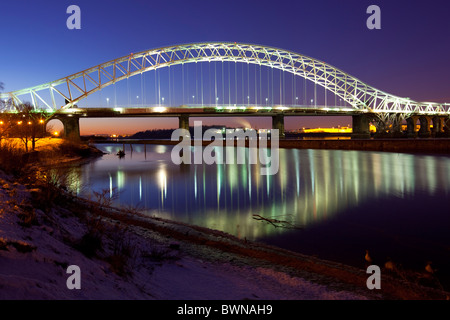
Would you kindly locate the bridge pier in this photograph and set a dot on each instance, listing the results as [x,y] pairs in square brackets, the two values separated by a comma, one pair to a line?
[183,122]
[425,131]
[446,127]
[438,126]
[71,128]
[278,123]
[396,130]
[361,126]
[411,128]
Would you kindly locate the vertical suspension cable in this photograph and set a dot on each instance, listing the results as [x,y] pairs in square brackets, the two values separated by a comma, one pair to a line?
[272,98]
[196,83]
[295,89]
[159,87]
[243,91]
[188,93]
[248,83]
[156,89]
[182,82]
[215,84]
[115,95]
[260,86]
[256,88]
[201,80]
[209,82]
[128,92]
[304,93]
[142,88]
[315,94]
[223,88]
[268,86]
[293,93]
[281,93]
[170,92]
[229,85]
[235,81]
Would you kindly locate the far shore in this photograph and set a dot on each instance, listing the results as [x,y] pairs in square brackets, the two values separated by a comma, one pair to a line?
[420,145]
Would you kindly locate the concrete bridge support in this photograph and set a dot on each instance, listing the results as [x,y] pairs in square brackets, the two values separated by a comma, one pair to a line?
[361,126]
[447,126]
[411,128]
[438,126]
[183,122]
[71,128]
[425,131]
[278,123]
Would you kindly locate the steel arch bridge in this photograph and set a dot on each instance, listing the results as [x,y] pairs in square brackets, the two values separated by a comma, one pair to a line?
[360,96]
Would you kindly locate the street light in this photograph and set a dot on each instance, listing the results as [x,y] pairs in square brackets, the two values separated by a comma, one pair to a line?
[248,100]
[107,101]
[296,100]
[162,100]
[312,100]
[193,97]
[267,99]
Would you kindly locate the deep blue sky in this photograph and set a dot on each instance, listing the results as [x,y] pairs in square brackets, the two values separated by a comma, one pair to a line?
[408,57]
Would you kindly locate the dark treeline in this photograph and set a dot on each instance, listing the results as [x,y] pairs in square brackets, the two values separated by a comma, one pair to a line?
[167,133]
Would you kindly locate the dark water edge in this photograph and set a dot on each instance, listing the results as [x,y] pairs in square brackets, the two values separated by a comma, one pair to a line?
[439,146]
[410,238]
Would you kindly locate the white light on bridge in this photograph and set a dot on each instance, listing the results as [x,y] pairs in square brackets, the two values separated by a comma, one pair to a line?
[159,109]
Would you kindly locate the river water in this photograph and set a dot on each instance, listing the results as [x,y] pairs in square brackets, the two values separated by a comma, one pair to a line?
[328,203]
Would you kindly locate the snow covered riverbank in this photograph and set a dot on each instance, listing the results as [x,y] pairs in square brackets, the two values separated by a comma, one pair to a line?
[124,255]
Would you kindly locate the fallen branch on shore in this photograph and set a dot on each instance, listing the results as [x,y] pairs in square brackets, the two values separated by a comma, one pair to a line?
[277,223]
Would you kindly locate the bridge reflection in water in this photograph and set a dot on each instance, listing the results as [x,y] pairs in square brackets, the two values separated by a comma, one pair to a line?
[312,186]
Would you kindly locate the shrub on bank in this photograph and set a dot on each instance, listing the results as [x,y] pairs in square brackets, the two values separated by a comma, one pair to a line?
[12,159]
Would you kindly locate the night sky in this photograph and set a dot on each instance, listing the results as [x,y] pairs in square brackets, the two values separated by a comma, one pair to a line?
[408,57]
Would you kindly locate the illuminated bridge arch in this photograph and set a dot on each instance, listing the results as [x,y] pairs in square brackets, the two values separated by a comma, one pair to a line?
[359,95]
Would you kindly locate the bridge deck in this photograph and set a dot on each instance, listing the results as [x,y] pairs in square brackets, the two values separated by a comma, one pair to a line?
[207,111]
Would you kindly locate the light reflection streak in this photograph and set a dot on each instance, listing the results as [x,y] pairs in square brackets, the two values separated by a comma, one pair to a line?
[195,182]
[140,188]
[110,186]
[120,179]
[162,182]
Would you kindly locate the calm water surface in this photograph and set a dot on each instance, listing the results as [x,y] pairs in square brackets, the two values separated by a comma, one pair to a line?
[343,202]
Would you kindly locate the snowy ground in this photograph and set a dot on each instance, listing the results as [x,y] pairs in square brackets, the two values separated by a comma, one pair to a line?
[136,260]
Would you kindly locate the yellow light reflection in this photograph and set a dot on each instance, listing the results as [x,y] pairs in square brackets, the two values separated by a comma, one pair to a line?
[162,183]
[120,179]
